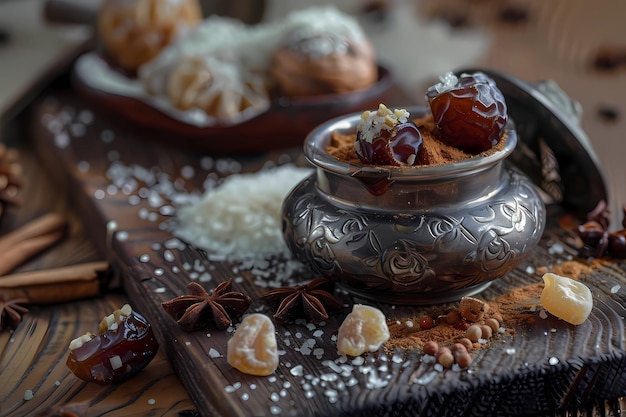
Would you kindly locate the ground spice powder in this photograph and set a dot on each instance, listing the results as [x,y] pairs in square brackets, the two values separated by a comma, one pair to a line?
[513,310]
[341,146]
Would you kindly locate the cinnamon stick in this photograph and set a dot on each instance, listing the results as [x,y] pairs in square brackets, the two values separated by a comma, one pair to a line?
[30,239]
[57,284]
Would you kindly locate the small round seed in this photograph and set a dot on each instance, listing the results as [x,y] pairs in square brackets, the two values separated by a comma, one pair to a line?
[453,316]
[493,323]
[426,323]
[444,357]
[457,348]
[474,332]
[463,360]
[430,348]
[467,343]
[486,331]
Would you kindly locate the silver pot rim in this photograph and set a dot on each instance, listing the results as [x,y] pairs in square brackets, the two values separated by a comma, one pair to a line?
[317,140]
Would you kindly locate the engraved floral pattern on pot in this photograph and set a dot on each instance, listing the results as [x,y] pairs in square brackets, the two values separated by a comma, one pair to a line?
[304,209]
[305,219]
[492,253]
[419,239]
[448,230]
[403,264]
[318,246]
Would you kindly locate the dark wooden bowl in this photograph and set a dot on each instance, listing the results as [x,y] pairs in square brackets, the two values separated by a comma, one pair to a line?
[285,124]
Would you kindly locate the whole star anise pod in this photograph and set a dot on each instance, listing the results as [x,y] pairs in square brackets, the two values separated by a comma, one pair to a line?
[313,301]
[596,238]
[199,309]
[11,312]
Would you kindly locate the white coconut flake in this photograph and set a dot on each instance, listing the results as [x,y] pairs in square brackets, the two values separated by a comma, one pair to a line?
[447,82]
[372,123]
[241,218]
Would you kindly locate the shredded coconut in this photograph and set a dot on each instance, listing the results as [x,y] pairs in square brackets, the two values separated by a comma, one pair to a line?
[447,82]
[372,123]
[241,218]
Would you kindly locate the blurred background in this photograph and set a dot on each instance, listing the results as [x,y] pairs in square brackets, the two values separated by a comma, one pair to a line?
[579,44]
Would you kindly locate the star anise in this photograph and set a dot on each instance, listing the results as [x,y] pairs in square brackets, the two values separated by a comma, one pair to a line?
[601,214]
[313,301]
[199,309]
[11,312]
[596,238]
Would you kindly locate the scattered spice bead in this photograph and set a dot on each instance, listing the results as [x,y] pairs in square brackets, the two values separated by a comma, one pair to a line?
[426,323]
[493,324]
[253,349]
[363,330]
[430,348]
[458,347]
[474,333]
[463,359]
[486,331]
[444,357]
[453,316]
[467,343]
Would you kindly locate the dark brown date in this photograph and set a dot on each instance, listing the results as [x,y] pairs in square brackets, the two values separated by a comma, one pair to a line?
[470,115]
[401,145]
[115,354]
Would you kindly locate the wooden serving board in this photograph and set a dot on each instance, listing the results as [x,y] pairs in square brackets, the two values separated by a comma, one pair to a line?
[541,366]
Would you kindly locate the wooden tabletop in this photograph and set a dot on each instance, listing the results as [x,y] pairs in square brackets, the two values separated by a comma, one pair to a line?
[33,357]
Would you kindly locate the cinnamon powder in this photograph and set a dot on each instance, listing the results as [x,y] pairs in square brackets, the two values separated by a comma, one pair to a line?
[404,336]
[513,310]
[341,146]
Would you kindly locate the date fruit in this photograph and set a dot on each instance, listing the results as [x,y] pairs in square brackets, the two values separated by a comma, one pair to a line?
[470,111]
[388,137]
[124,345]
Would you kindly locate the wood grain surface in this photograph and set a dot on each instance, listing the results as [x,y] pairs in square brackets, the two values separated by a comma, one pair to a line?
[557,40]
[553,367]
[32,358]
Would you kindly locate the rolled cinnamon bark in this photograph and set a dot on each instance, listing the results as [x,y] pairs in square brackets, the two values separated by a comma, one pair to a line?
[58,284]
[33,237]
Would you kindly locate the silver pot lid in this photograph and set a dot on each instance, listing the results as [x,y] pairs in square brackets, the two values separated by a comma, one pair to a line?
[553,150]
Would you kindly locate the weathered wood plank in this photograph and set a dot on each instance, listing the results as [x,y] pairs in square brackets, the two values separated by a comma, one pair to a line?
[587,368]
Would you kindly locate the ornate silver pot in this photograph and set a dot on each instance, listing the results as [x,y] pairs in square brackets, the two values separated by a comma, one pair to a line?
[414,235]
